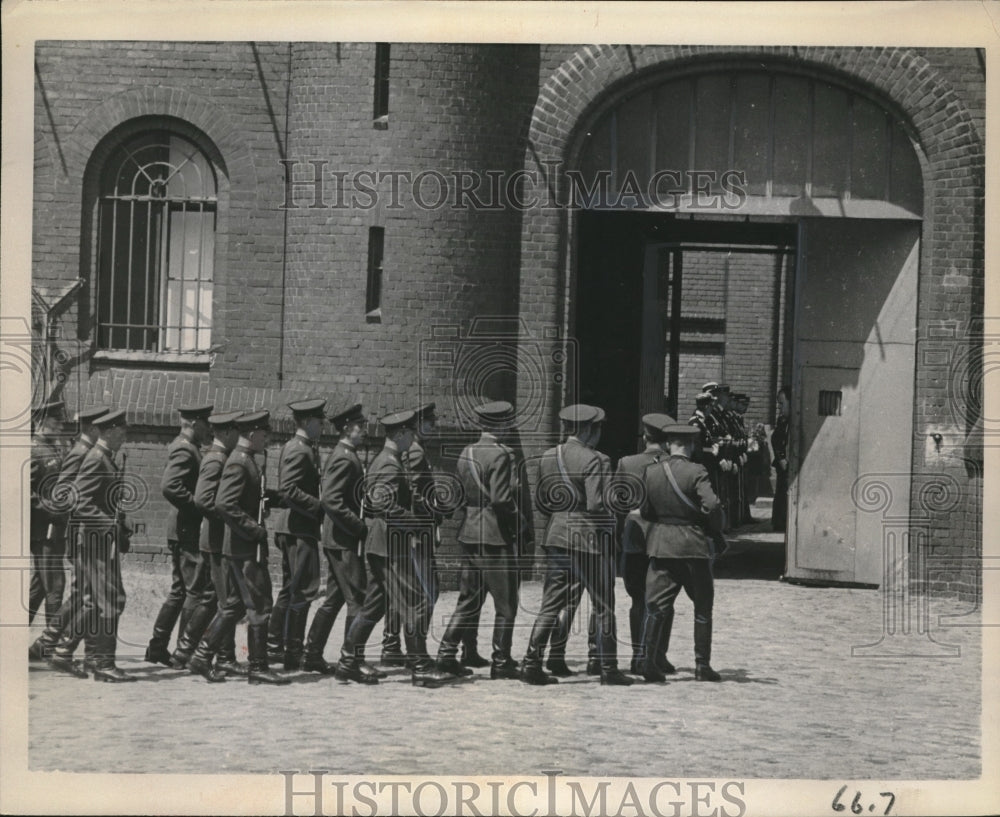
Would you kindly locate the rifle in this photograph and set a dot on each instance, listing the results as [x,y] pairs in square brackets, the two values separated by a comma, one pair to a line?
[262,505]
[123,532]
[364,491]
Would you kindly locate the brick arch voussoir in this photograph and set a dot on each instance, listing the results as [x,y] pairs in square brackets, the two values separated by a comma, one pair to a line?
[897,74]
[209,117]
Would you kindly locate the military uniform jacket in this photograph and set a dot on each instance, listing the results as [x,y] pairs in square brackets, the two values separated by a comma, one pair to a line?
[237,503]
[301,513]
[180,478]
[627,482]
[46,458]
[340,495]
[96,486]
[387,497]
[213,528]
[677,531]
[421,477]
[486,471]
[779,440]
[571,484]
[67,476]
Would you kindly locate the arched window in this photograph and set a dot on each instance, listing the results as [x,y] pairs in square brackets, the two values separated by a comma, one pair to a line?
[157,207]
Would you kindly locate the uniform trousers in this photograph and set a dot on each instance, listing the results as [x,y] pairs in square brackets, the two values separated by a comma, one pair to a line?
[70,625]
[248,591]
[214,586]
[276,628]
[487,569]
[302,556]
[634,567]
[185,564]
[48,580]
[597,573]
[411,582]
[372,608]
[664,582]
[346,583]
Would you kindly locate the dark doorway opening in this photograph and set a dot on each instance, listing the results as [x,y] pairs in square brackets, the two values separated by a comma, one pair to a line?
[667,302]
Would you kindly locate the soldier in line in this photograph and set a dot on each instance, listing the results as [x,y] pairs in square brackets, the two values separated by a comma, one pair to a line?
[48,544]
[344,533]
[189,573]
[398,544]
[213,530]
[103,537]
[488,538]
[634,560]
[245,550]
[779,446]
[741,402]
[579,541]
[685,522]
[62,635]
[707,448]
[298,522]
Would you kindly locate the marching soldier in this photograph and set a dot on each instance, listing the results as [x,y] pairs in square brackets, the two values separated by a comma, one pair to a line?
[213,529]
[297,522]
[103,537]
[189,573]
[488,537]
[344,533]
[685,523]
[579,541]
[634,560]
[391,540]
[238,502]
[48,545]
[63,634]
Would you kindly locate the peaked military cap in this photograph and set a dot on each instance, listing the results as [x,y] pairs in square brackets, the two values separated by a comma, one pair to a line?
[722,387]
[196,411]
[740,396]
[88,415]
[351,412]
[398,419]
[704,397]
[224,420]
[657,422]
[426,410]
[253,420]
[112,419]
[312,407]
[711,385]
[47,409]
[497,411]
[580,413]
[680,430]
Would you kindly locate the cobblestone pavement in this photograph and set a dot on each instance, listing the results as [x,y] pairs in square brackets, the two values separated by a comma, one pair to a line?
[794,702]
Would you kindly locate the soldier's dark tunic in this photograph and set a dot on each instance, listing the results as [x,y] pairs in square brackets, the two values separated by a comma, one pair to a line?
[779,445]
[188,572]
[680,550]
[47,540]
[488,537]
[579,543]
[297,532]
[344,532]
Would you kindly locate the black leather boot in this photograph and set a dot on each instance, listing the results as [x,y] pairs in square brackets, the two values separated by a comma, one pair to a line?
[319,633]
[276,634]
[294,636]
[197,623]
[651,635]
[157,652]
[661,649]
[531,667]
[426,674]
[200,662]
[259,672]
[452,667]
[349,669]
[470,654]
[703,652]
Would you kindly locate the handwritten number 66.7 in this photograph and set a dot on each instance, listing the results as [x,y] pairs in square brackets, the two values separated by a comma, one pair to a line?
[857,807]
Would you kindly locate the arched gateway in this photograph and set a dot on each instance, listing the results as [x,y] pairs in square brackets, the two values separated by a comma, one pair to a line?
[763,216]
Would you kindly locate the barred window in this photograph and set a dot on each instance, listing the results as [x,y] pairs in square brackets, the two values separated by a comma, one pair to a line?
[156,246]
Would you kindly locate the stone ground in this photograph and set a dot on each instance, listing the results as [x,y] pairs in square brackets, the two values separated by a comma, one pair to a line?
[794,701]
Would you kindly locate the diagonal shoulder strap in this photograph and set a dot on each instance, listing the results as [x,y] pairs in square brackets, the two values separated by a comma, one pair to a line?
[474,471]
[677,488]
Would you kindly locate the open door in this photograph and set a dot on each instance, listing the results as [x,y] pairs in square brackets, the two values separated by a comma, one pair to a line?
[852,402]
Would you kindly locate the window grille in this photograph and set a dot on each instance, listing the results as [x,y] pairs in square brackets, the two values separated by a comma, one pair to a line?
[381,114]
[829,403]
[373,296]
[156,246]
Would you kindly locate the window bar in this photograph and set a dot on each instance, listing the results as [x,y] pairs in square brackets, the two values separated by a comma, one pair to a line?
[113,264]
[146,259]
[201,273]
[128,283]
[96,265]
[164,284]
